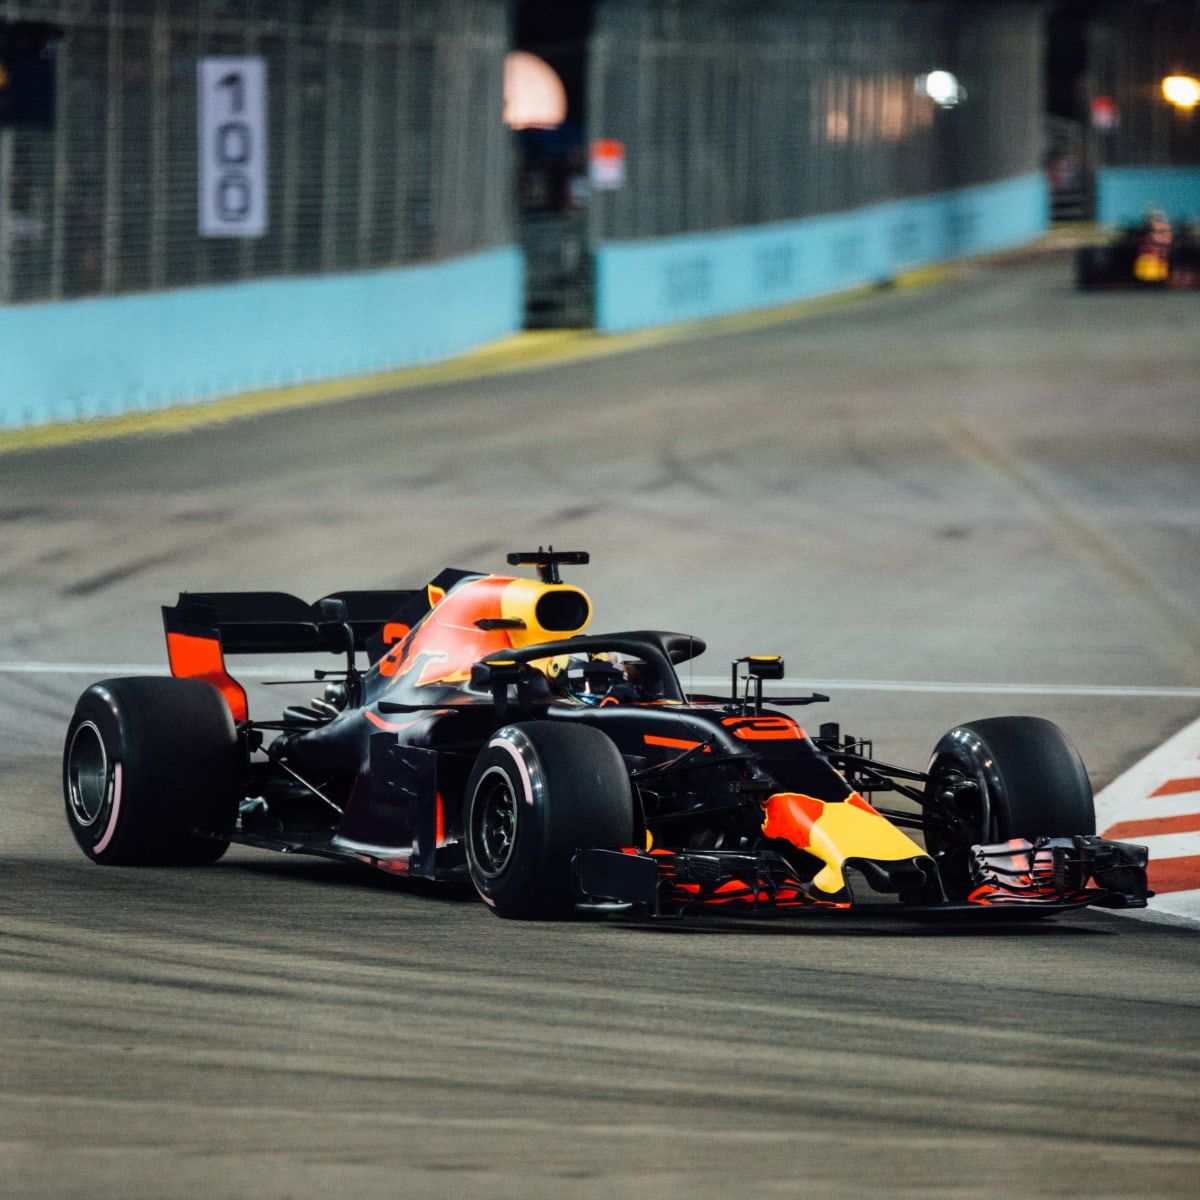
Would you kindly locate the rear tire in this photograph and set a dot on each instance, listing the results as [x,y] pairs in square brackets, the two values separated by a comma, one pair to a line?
[1030,782]
[538,793]
[147,763]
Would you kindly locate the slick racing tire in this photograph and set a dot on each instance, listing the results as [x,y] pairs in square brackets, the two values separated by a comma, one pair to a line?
[1093,264]
[1029,782]
[148,764]
[538,793]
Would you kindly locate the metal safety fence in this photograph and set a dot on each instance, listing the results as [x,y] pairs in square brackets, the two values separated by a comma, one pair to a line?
[736,114]
[384,141]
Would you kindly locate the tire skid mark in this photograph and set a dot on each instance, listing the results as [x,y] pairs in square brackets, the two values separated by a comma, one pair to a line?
[128,570]
[1179,645]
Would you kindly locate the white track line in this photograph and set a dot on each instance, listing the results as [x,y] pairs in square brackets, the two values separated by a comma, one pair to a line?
[1169,845]
[1148,807]
[1130,797]
[953,689]
[720,683]
[1126,797]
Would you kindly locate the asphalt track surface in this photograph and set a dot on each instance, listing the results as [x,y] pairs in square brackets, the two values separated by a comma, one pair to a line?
[993,481]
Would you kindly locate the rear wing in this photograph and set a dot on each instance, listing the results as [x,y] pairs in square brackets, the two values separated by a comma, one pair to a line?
[276,623]
[203,626]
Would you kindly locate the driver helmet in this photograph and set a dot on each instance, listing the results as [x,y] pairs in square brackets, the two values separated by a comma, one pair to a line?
[593,679]
[1157,223]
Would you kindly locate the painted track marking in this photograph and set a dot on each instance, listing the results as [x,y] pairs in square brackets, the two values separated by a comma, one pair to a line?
[718,682]
[1156,804]
[1179,643]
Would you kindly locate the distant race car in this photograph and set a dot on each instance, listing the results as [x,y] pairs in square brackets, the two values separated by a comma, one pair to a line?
[490,740]
[1150,255]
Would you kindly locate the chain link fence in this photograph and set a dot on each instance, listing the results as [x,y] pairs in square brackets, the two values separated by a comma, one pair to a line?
[387,146]
[386,142]
[737,114]
[1131,49]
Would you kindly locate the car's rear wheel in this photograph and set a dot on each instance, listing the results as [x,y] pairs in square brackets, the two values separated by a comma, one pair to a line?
[538,793]
[1001,778]
[152,772]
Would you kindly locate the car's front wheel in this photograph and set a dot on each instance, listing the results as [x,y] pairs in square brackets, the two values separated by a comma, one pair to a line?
[152,772]
[538,793]
[1001,778]
[1092,266]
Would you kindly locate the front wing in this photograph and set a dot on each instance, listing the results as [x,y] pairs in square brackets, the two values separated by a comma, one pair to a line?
[1017,878]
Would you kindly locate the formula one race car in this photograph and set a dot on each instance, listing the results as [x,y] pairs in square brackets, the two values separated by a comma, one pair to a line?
[1149,255]
[490,740]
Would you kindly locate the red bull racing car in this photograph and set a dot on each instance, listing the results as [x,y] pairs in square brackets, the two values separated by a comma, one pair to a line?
[489,738]
[1152,255]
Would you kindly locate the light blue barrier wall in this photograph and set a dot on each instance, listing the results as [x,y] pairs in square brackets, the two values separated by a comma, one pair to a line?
[85,358]
[1124,193]
[662,280]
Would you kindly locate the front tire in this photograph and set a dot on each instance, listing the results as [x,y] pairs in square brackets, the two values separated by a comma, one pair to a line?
[147,764]
[538,793]
[1003,778]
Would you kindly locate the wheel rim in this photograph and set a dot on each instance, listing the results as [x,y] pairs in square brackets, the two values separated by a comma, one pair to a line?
[973,812]
[494,817]
[88,788]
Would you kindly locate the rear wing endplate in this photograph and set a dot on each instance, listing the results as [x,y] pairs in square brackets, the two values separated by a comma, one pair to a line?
[203,626]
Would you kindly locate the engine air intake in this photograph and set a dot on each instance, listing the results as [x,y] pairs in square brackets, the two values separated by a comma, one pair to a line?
[562,611]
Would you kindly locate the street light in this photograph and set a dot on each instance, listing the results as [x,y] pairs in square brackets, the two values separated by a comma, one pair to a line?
[1183,91]
[534,96]
[942,87]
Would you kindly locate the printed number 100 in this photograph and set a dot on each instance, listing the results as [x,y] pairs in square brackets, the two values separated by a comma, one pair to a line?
[233,148]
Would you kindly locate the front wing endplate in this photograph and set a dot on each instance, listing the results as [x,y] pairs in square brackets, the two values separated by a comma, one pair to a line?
[1059,870]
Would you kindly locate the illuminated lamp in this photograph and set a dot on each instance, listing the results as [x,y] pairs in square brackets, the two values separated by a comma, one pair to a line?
[534,96]
[1183,91]
[837,126]
[942,87]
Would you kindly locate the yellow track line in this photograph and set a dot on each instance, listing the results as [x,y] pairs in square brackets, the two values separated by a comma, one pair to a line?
[521,352]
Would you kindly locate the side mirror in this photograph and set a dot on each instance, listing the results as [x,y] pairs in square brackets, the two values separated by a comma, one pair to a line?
[488,674]
[495,675]
[333,609]
[765,666]
[758,668]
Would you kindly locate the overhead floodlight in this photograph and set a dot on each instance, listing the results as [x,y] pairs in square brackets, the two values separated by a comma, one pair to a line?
[1183,91]
[534,96]
[942,88]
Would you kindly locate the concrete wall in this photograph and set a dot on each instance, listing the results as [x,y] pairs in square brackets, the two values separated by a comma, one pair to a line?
[113,355]
[97,357]
[663,280]
[1124,193]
